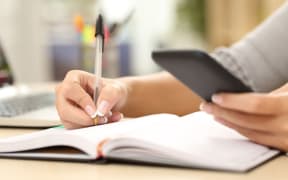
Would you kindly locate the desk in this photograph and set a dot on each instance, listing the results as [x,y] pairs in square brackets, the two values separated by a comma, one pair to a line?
[51,170]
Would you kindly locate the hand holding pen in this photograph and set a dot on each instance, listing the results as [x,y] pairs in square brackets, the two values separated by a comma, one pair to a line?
[75,106]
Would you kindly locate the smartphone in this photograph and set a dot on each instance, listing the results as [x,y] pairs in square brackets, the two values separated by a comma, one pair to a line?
[199,71]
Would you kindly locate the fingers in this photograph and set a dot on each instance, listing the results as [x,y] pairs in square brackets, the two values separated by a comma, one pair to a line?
[116,116]
[267,139]
[78,88]
[255,122]
[75,104]
[71,126]
[72,116]
[75,93]
[111,97]
[73,101]
[254,103]
[84,79]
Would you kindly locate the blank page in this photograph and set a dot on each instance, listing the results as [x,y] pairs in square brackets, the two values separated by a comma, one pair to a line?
[197,140]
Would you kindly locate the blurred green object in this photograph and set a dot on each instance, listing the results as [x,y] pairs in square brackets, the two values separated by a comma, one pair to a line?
[192,12]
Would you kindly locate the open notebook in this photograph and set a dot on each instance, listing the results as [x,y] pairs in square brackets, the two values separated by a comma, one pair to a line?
[195,140]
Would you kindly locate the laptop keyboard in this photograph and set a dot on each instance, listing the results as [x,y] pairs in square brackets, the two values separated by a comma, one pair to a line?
[24,104]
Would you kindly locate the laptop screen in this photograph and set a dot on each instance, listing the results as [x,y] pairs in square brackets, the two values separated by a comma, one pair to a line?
[6,77]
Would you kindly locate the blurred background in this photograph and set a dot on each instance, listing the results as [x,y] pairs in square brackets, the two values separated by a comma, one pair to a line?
[43,39]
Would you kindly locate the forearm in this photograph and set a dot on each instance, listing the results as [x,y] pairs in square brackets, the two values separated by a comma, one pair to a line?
[260,59]
[158,93]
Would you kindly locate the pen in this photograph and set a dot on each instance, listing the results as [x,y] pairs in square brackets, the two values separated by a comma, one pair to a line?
[99,35]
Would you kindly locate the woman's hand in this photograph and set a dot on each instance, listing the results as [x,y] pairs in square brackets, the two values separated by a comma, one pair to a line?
[263,118]
[75,104]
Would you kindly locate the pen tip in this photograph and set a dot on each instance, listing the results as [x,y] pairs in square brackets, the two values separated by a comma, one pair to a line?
[99,26]
[100,18]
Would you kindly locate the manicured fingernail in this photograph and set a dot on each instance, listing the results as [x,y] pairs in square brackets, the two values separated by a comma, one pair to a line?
[217,99]
[102,108]
[89,110]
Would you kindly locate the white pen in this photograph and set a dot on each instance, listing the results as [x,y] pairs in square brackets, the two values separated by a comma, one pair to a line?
[100,36]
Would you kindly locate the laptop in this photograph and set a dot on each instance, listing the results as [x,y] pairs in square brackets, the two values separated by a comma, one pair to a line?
[24,106]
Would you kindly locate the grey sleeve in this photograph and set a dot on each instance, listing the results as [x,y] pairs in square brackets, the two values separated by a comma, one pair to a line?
[260,59]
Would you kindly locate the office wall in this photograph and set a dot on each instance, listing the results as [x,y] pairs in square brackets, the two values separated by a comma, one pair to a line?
[229,20]
[23,36]
[24,32]
[269,6]
[153,22]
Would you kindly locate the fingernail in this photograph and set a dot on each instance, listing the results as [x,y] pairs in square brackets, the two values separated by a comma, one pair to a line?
[89,110]
[102,108]
[217,99]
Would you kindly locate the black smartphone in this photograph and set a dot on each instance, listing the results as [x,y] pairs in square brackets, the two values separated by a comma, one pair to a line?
[199,71]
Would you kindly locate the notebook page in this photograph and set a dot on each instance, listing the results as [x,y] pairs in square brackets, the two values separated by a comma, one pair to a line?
[98,133]
[198,140]
[85,139]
